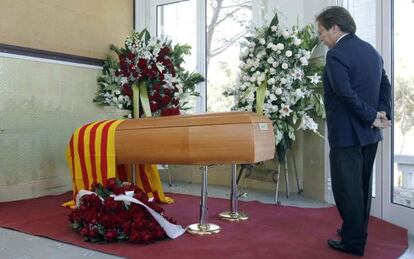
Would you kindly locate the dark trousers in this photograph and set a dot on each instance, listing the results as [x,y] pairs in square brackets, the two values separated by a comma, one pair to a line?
[351,174]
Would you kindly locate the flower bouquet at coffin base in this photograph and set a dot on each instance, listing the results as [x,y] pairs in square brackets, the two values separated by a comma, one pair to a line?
[278,78]
[148,78]
[103,216]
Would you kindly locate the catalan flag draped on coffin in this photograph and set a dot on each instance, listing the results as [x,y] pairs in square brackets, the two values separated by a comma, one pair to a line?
[91,159]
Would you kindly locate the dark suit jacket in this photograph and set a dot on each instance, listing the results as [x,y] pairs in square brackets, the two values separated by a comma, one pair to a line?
[355,88]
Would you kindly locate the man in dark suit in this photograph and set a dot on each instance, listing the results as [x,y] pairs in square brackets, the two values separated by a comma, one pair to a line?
[357,97]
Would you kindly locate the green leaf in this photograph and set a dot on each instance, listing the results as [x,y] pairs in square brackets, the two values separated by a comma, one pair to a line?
[275,21]
[111,87]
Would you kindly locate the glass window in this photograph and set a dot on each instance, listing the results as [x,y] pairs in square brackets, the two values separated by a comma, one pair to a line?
[227,23]
[403,180]
[177,20]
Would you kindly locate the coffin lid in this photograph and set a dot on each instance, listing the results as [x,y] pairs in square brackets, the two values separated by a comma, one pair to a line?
[203,119]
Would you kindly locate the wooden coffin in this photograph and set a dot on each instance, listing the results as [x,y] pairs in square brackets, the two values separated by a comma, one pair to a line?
[210,138]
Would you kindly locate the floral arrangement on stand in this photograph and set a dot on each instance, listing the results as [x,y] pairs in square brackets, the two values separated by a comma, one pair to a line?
[100,217]
[279,79]
[147,78]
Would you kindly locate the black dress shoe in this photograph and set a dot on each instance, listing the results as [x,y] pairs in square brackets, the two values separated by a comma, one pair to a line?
[339,246]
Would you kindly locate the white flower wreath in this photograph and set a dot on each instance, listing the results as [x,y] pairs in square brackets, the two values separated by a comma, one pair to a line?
[279,79]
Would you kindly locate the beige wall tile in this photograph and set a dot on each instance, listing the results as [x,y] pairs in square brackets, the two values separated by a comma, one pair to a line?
[40,106]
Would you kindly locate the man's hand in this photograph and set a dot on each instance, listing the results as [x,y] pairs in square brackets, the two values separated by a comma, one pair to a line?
[381,121]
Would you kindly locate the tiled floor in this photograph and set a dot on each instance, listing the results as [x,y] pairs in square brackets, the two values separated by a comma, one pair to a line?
[17,245]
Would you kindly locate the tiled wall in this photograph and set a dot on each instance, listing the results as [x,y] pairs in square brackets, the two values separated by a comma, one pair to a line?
[40,105]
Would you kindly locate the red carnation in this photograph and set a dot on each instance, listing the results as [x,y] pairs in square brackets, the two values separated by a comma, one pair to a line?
[84,232]
[165,100]
[175,111]
[118,190]
[142,63]
[164,51]
[156,96]
[170,111]
[126,227]
[131,56]
[126,90]
[156,86]
[111,235]
[172,71]
[154,106]
[93,233]
[110,184]
[135,236]
[165,112]
[167,91]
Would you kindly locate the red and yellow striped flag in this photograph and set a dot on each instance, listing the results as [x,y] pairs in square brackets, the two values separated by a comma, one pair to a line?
[91,159]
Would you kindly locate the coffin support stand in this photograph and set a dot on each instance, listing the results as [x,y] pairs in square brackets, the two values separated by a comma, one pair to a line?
[233,214]
[203,227]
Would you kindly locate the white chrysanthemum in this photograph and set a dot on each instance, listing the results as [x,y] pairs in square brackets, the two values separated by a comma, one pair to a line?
[275,48]
[262,41]
[280,46]
[272,97]
[244,53]
[275,64]
[271,81]
[273,28]
[261,54]
[304,61]
[272,70]
[288,53]
[270,45]
[285,66]
[283,81]
[297,41]
[270,60]
[252,44]
[285,34]
[278,91]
